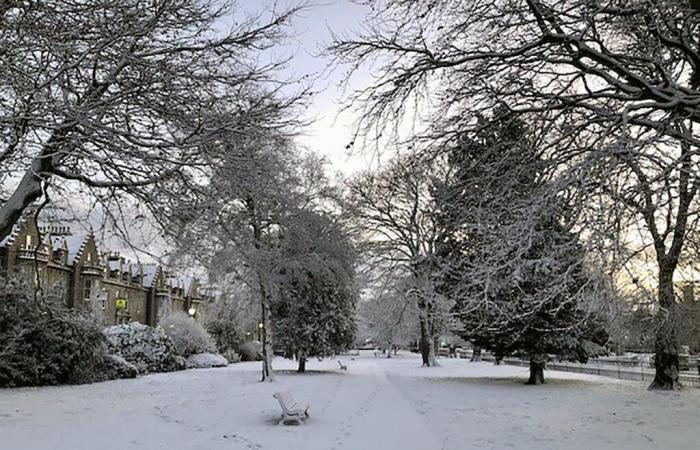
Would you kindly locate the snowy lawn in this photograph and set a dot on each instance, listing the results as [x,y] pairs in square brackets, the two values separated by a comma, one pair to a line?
[377,404]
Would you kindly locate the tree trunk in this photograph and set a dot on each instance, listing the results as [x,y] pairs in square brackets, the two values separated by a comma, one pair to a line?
[666,344]
[425,343]
[476,354]
[302,364]
[434,352]
[537,363]
[267,371]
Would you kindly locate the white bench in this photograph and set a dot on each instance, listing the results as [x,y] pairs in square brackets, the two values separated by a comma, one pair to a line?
[291,415]
[342,366]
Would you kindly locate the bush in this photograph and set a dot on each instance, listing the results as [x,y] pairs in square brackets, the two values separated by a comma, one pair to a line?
[188,336]
[148,349]
[232,356]
[251,351]
[205,361]
[42,342]
[114,367]
[225,334]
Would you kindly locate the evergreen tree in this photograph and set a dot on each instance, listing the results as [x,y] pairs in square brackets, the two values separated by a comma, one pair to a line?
[313,311]
[519,276]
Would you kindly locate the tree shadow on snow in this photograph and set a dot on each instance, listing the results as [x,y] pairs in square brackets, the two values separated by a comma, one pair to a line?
[519,381]
[309,372]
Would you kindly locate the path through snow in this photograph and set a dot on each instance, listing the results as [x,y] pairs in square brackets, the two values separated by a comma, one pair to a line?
[377,404]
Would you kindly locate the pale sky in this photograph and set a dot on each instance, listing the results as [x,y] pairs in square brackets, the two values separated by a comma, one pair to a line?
[330,132]
[327,135]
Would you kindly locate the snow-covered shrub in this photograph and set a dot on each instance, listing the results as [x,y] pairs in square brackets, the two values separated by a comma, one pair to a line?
[225,333]
[205,361]
[250,351]
[42,342]
[188,336]
[149,349]
[115,367]
[232,356]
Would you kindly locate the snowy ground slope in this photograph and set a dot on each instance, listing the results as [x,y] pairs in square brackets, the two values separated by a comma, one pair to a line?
[377,404]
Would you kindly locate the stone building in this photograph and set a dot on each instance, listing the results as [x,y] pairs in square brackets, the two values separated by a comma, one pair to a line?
[105,284]
[28,252]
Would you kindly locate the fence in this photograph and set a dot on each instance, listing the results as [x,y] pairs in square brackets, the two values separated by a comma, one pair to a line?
[621,369]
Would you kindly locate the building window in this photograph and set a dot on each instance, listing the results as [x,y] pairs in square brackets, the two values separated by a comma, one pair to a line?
[28,242]
[87,289]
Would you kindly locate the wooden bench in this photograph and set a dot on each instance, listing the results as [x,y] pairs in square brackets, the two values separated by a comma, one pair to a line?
[291,415]
[342,366]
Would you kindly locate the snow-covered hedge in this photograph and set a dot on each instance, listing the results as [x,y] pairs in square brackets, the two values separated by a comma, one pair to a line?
[205,361]
[114,367]
[44,343]
[150,350]
[188,336]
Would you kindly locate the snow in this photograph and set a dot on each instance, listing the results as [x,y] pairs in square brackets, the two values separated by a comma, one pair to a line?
[7,240]
[377,403]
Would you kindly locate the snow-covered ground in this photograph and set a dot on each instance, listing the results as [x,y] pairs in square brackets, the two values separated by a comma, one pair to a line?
[377,404]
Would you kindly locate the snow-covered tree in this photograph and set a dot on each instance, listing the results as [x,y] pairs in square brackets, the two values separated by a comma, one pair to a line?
[235,218]
[389,316]
[125,96]
[519,274]
[313,310]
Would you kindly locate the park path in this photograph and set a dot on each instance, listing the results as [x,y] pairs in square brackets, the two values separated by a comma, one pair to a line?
[367,407]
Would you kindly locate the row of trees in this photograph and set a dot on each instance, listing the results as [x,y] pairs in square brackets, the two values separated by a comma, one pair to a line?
[485,247]
[609,92]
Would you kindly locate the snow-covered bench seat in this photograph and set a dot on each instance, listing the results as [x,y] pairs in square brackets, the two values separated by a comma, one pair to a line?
[291,415]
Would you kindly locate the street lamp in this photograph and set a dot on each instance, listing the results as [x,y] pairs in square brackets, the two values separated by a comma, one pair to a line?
[260,329]
[192,311]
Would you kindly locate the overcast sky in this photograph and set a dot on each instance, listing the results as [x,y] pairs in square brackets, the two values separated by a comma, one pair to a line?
[329,133]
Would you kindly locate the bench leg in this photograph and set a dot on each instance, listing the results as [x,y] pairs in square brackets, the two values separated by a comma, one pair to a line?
[294,420]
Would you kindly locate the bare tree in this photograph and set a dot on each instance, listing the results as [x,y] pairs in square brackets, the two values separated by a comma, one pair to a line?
[396,214]
[124,95]
[389,316]
[653,179]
